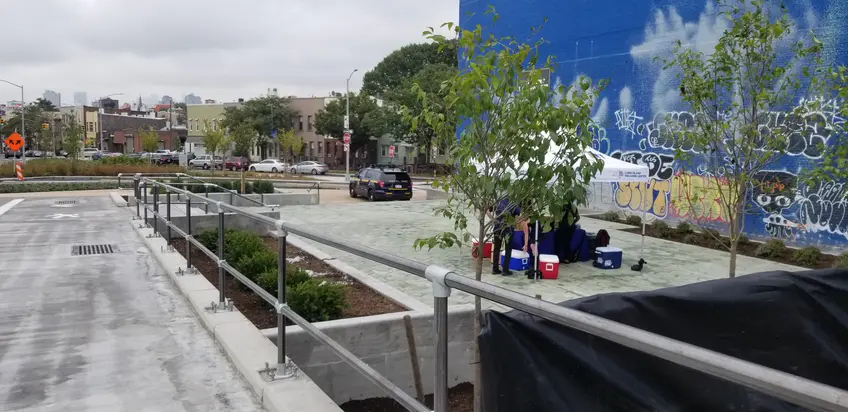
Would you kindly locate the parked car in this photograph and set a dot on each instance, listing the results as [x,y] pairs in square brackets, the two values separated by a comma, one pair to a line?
[236,163]
[8,153]
[310,167]
[375,183]
[166,159]
[206,162]
[268,166]
[88,152]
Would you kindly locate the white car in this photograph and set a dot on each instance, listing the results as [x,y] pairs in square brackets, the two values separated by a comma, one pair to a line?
[268,165]
[310,167]
[88,152]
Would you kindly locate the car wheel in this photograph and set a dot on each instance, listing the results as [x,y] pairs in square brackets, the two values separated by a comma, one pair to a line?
[234,168]
[206,166]
[252,169]
[314,171]
[352,192]
[273,170]
[370,195]
[294,171]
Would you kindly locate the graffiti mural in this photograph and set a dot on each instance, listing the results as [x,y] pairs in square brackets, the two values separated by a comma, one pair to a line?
[640,117]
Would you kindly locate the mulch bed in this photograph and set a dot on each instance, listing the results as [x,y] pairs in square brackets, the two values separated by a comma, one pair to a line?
[705,240]
[460,399]
[361,300]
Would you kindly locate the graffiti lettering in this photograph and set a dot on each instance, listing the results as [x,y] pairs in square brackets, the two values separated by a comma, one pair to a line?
[807,127]
[699,198]
[660,166]
[825,208]
[650,197]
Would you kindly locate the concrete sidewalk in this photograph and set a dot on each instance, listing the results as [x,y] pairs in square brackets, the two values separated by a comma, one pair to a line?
[394,226]
[101,332]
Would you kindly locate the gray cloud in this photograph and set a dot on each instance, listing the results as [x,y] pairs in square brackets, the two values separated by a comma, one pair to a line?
[217,49]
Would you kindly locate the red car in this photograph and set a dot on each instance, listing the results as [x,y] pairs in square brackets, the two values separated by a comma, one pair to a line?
[236,163]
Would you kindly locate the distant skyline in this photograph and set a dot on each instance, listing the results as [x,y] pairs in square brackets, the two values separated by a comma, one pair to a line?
[300,47]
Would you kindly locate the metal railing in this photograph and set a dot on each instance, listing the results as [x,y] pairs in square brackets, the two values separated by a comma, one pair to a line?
[197,181]
[800,391]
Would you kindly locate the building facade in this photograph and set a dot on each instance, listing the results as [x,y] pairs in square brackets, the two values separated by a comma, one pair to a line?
[622,41]
[80,98]
[53,97]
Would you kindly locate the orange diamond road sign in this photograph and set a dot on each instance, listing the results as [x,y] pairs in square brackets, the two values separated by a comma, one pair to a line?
[14,142]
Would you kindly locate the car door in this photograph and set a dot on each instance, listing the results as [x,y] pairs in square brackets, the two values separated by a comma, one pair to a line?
[370,177]
[355,182]
[263,166]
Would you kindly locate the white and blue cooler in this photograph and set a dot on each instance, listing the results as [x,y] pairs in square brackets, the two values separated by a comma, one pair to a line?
[519,260]
[607,257]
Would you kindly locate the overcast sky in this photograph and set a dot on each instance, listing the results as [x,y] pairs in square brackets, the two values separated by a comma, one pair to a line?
[218,49]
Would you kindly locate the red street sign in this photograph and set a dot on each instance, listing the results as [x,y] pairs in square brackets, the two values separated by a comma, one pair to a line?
[392,151]
[346,138]
[14,142]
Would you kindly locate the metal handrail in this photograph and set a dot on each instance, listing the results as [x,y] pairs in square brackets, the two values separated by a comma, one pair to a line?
[781,385]
[210,184]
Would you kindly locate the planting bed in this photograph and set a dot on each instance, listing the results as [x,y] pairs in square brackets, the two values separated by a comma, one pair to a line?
[460,399]
[745,247]
[361,300]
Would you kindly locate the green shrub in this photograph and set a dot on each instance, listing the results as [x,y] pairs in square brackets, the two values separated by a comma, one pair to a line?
[772,249]
[841,261]
[662,228]
[209,238]
[611,216]
[693,239]
[68,167]
[55,187]
[294,277]
[807,257]
[268,281]
[263,186]
[238,243]
[317,300]
[633,220]
[743,240]
[255,264]
[684,229]
[123,160]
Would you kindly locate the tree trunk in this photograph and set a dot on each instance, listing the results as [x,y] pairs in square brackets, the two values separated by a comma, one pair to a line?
[242,180]
[733,246]
[478,274]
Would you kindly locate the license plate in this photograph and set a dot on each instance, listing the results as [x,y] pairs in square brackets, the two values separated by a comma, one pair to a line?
[398,187]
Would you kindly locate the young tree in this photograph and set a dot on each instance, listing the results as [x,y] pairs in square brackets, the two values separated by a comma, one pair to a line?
[266,115]
[833,166]
[522,141]
[290,144]
[733,91]
[215,142]
[149,141]
[243,138]
[74,139]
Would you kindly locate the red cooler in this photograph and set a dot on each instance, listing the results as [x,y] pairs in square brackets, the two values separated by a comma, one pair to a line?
[549,266]
[487,249]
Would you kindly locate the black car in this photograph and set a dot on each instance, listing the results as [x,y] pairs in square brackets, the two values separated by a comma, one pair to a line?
[375,183]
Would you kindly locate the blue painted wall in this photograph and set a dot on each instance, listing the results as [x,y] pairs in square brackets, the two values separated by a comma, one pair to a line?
[619,40]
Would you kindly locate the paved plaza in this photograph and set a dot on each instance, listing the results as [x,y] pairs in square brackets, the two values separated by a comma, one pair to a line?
[394,226]
[104,332]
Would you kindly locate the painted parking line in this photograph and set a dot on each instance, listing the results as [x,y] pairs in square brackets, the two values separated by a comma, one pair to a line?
[9,205]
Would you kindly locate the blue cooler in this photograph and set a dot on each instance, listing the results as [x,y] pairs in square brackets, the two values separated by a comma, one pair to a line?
[519,260]
[607,257]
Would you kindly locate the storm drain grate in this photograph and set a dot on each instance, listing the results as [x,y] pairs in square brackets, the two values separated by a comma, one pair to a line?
[84,250]
[66,202]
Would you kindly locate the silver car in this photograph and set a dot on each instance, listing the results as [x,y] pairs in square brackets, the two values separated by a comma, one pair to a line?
[310,167]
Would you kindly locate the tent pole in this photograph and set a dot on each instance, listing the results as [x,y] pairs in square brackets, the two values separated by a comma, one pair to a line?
[642,248]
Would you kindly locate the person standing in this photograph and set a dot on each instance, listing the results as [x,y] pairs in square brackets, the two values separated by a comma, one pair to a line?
[564,232]
[504,234]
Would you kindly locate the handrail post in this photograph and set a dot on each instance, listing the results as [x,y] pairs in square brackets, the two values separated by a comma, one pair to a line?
[222,302]
[436,275]
[145,203]
[137,194]
[206,193]
[155,208]
[168,218]
[189,267]
[283,370]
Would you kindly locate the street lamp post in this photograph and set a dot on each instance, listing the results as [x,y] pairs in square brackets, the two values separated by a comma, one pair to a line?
[100,116]
[23,120]
[347,125]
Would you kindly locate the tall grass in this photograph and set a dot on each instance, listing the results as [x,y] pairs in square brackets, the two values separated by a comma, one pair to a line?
[65,167]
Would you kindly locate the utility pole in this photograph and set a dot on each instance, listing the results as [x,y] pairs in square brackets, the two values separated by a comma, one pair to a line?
[347,126]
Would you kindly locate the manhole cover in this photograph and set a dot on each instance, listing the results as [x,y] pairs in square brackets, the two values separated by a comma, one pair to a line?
[66,202]
[83,250]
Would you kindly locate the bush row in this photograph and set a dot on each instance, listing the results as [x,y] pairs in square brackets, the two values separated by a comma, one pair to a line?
[260,186]
[313,299]
[65,167]
[55,187]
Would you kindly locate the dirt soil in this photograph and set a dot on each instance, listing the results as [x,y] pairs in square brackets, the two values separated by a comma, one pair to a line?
[460,399]
[361,300]
[748,248]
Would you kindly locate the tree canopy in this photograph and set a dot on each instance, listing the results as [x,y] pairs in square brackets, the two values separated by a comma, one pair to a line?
[329,121]
[264,115]
[400,65]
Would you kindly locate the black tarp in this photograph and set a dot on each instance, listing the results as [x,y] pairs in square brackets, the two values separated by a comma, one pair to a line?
[793,322]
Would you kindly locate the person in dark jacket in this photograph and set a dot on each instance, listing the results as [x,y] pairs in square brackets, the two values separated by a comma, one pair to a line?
[564,232]
[504,233]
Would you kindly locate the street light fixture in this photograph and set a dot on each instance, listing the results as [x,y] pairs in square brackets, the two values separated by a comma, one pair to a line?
[100,117]
[23,123]
[347,125]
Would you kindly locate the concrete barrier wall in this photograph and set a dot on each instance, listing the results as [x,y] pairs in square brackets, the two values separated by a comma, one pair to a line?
[380,341]
[201,222]
[279,199]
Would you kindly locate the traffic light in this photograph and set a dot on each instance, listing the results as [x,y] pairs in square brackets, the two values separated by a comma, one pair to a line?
[45,126]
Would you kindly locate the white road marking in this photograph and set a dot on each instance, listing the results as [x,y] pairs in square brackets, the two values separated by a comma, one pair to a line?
[9,205]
